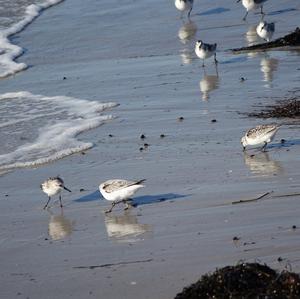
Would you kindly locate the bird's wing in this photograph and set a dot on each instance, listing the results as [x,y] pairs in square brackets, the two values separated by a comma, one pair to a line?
[114,185]
[261,130]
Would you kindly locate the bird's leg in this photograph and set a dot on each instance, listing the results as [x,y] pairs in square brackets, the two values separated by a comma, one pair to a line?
[127,204]
[112,206]
[264,147]
[61,205]
[181,15]
[216,61]
[203,65]
[189,13]
[244,148]
[261,10]
[244,18]
[46,205]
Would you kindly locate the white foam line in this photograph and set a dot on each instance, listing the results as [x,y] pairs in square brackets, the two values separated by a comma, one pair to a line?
[10,52]
[83,115]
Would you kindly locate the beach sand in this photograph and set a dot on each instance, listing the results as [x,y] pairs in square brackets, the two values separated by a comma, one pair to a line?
[184,223]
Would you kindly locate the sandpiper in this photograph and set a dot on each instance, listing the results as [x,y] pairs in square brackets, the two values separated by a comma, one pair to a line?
[252,5]
[260,134]
[184,5]
[53,186]
[204,51]
[265,30]
[118,191]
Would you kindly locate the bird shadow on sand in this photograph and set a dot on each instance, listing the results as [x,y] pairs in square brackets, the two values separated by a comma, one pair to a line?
[136,201]
[281,11]
[286,144]
[213,11]
[89,197]
[150,199]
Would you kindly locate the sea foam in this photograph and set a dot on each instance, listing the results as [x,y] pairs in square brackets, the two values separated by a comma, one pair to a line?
[40,129]
[8,51]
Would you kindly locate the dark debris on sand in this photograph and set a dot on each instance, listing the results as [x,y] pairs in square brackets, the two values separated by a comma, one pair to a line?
[244,281]
[292,39]
[286,108]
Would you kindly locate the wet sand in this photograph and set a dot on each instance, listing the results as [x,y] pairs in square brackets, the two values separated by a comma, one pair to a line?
[184,223]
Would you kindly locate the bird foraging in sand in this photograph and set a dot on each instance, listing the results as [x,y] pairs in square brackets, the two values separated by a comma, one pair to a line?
[204,51]
[262,134]
[265,30]
[53,186]
[252,5]
[118,191]
[184,5]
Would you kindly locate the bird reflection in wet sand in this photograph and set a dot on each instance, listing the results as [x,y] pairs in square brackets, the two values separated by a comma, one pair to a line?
[262,165]
[125,227]
[208,83]
[59,226]
[186,34]
[187,31]
[251,36]
[268,67]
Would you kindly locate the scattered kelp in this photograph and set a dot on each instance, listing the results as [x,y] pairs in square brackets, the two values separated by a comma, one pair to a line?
[282,109]
[292,39]
[247,280]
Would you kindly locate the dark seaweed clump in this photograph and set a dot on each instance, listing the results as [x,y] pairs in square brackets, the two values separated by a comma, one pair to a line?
[287,108]
[244,281]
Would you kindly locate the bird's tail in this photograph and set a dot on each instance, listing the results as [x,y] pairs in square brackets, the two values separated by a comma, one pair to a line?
[140,182]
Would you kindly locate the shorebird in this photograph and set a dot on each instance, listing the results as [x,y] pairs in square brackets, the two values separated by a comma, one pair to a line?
[118,191]
[204,51]
[53,186]
[252,5]
[265,30]
[260,134]
[184,5]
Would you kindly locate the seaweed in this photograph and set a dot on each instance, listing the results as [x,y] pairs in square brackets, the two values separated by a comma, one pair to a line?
[246,280]
[289,108]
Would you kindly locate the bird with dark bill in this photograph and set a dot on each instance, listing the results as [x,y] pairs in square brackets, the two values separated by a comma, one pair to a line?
[53,186]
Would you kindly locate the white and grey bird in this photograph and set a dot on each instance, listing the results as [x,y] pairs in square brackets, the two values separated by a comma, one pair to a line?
[117,191]
[184,5]
[262,134]
[204,51]
[252,5]
[265,30]
[53,186]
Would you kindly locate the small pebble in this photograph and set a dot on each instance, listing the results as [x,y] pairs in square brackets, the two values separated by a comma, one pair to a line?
[180,118]
[242,79]
[64,78]
[81,190]
[82,153]
[213,120]
[146,144]
[141,149]
[110,135]
[162,135]
[294,227]
[235,238]
[282,141]
[280,259]
[142,136]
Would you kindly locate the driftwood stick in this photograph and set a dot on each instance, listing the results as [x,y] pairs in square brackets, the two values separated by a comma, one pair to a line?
[292,39]
[112,264]
[287,195]
[251,200]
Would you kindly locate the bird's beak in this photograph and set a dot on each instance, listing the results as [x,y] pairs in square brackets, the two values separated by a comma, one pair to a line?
[67,189]
[238,1]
